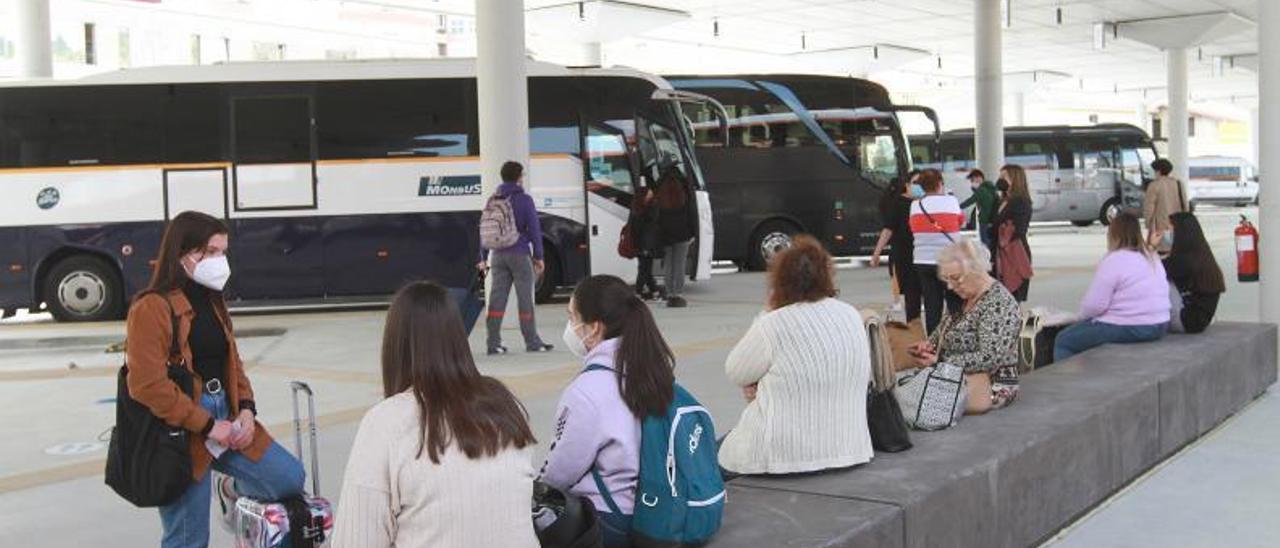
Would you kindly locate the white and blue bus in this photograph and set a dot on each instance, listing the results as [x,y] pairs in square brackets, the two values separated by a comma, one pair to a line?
[340,180]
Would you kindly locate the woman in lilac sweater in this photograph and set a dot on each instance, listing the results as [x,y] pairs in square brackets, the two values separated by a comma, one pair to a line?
[598,419]
[1128,300]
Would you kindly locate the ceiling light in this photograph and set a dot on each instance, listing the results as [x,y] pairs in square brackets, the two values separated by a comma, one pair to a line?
[803,42]
[715,28]
[1008,13]
[1058,16]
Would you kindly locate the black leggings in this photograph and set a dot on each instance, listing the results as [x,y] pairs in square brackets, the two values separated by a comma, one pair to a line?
[909,286]
[934,292]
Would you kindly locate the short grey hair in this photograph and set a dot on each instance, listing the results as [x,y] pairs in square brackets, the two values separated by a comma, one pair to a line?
[969,254]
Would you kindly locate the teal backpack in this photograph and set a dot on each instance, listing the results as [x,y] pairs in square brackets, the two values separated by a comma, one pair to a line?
[680,494]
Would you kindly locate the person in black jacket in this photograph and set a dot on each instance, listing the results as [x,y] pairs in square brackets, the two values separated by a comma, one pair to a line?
[644,236]
[677,226]
[895,212]
[1015,207]
[1195,279]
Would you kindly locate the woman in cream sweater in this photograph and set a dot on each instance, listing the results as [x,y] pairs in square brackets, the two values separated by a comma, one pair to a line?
[803,367]
[445,459]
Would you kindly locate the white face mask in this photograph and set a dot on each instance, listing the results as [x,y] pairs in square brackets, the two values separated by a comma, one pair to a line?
[573,341]
[212,272]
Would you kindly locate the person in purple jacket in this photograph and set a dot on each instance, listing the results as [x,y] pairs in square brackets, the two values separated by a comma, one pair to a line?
[1128,300]
[598,418]
[515,265]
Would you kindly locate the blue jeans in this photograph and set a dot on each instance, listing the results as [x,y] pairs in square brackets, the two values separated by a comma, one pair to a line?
[277,475]
[1090,333]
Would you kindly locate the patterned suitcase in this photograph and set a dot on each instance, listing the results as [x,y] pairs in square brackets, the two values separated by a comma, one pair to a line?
[266,524]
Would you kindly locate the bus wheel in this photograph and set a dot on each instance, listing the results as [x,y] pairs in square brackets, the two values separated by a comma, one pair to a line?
[550,279]
[1109,211]
[1083,223]
[83,288]
[770,239]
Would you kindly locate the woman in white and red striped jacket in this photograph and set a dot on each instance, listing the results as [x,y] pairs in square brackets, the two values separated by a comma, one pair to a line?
[936,219]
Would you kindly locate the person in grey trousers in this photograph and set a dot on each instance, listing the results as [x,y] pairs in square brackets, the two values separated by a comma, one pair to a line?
[518,265]
[677,226]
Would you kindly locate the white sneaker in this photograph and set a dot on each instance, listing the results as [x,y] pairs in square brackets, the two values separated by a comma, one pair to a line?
[224,487]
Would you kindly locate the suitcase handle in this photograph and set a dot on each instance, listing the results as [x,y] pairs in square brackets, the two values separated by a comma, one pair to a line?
[296,387]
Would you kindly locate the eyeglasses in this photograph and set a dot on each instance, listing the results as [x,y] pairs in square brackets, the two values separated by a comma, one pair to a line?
[954,279]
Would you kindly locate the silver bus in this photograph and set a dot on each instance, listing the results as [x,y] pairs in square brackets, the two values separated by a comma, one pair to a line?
[1076,174]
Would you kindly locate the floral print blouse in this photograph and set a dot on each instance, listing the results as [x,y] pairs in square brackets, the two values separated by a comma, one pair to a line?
[985,338]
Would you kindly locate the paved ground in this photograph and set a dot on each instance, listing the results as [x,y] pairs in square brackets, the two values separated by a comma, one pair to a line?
[57,380]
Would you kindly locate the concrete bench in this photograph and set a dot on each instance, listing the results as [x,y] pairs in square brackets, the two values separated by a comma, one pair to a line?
[1080,431]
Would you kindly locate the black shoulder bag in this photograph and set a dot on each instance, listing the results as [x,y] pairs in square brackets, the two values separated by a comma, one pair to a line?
[148,461]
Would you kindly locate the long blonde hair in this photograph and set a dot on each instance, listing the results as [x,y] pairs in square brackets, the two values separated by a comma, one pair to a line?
[1125,232]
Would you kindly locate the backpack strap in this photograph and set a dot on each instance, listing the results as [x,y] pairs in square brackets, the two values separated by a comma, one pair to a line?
[934,222]
[595,473]
[604,492]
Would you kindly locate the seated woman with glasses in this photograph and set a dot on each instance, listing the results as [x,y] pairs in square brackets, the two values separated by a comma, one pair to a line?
[982,337]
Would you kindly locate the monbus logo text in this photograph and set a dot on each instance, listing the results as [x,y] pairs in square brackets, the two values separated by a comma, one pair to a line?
[449,185]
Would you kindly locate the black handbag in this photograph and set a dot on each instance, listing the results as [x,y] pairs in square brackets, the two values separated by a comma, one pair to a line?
[564,521]
[148,461]
[888,429]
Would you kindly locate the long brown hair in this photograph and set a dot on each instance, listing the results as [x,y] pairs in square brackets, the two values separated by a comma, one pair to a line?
[424,350]
[189,231]
[1017,177]
[645,364]
[1190,247]
[1125,233]
[801,273]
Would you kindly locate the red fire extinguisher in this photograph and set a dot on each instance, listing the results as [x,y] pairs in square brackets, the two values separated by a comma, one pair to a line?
[1246,251]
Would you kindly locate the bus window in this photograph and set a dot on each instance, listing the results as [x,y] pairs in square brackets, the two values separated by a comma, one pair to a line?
[1132,166]
[1030,155]
[608,162]
[878,158]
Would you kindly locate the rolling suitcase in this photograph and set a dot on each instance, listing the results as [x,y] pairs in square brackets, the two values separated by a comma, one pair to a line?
[267,524]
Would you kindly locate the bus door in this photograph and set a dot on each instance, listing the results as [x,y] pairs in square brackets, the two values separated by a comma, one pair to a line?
[279,249]
[610,187]
[659,149]
[1132,179]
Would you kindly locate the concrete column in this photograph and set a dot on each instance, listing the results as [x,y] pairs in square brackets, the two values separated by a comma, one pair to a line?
[1019,109]
[502,88]
[1176,121]
[1269,140]
[988,85]
[593,54]
[35,48]
[1253,136]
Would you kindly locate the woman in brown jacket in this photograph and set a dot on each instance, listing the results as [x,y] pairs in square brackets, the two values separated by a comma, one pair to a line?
[189,275]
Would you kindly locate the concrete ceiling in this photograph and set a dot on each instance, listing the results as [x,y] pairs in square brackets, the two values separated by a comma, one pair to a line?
[729,35]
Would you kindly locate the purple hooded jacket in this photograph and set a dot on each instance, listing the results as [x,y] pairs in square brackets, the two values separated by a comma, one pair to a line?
[526,222]
[595,428]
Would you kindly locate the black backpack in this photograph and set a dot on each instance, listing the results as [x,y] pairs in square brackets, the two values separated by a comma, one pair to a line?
[148,461]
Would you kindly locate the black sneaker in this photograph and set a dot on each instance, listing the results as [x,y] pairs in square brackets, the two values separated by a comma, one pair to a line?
[497,350]
[677,302]
[544,347]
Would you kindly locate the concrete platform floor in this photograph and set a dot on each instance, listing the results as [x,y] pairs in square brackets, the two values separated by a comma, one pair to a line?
[51,491]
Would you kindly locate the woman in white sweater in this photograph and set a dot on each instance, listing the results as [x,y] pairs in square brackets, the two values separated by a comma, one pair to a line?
[803,367]
[445,459]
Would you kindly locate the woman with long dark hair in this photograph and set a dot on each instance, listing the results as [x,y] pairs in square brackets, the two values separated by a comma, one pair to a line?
[1195,279]
[1128,299]
[190,273]
[445,458]
[628,376]
[1011,250]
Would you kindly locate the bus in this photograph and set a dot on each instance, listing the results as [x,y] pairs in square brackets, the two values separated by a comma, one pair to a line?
[1077,174]
[802,154]
[340,180]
